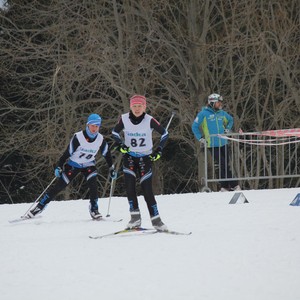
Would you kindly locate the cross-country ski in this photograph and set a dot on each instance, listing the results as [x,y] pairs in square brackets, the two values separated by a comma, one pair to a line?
[102,219]
[138,231]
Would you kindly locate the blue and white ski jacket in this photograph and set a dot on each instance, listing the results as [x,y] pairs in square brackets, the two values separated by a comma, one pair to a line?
[212,122]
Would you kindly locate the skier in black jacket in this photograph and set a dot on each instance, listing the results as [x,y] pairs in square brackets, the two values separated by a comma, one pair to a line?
[138,157]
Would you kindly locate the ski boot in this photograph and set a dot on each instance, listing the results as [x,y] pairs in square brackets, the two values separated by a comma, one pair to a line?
[135,220]
[158,224]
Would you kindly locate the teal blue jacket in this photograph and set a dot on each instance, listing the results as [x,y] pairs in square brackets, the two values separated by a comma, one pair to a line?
[212,122]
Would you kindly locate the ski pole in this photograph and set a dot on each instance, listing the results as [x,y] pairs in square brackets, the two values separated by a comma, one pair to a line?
[38,198]
[172,116]
[110,195]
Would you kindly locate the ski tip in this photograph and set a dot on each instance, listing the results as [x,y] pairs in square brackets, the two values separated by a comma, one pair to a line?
[23,218]
[17,220]
[104,219]
[175,232]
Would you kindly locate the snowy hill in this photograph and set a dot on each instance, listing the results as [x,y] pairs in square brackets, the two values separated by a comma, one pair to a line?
[236,251]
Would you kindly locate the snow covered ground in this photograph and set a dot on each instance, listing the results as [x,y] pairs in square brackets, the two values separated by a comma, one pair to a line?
[236,251]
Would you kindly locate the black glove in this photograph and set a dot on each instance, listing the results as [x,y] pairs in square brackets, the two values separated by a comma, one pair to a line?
[156,155]
[123,148]
[112,172]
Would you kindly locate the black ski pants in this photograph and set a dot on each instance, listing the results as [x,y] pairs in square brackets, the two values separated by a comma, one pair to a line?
[67,176]
[221,158]
[139,167]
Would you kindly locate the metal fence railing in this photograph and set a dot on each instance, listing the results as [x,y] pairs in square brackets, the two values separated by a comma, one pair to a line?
[273,154]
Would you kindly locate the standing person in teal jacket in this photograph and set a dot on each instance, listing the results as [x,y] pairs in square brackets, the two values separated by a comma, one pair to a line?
[213,120]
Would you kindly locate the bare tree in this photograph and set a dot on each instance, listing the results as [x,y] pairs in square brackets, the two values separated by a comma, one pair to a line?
[62,60]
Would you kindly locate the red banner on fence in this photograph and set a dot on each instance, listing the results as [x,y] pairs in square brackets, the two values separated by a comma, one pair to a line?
[282,132]
[275,133]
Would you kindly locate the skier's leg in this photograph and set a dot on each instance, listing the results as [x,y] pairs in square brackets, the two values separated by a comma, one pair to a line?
[129,169]
[146,184]
[66,177]
[90,174]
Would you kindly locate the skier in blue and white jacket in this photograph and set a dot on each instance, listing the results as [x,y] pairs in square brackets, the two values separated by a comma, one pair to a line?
[79,157]
[212,120]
